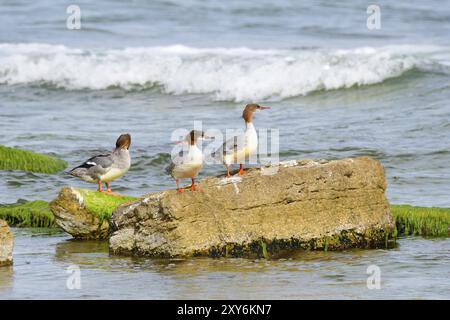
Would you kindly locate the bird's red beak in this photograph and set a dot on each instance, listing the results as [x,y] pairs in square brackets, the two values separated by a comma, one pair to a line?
[263,108]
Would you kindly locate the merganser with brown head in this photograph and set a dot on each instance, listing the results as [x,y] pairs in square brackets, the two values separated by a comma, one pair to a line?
[189,161]
[107,167]
[239,148]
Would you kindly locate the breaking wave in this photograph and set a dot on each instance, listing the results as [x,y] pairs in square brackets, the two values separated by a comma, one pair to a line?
[233,74]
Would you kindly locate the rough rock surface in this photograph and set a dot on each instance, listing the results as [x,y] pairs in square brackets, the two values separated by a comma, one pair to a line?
[6,244]
[307,204]
[73,216]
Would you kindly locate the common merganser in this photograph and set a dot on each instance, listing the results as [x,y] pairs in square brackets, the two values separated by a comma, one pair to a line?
[239,148]
[189,161]
[107,167]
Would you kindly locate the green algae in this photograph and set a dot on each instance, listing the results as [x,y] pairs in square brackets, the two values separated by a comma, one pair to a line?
[264,250]
[37,214]
[280,248]
[102,204]
[325,247]
[28,214]
[16,159]
[421,221]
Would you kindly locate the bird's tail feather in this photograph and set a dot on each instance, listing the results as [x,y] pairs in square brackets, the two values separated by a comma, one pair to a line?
[218,154]
[68,172]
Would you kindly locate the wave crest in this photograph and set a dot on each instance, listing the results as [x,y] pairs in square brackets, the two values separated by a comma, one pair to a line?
[233,74]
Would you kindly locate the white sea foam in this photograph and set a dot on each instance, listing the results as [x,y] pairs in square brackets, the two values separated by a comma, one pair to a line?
[235,74]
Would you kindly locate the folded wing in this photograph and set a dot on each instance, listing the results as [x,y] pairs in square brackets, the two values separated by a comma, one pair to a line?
[177,160]
[92,169]
[230,147]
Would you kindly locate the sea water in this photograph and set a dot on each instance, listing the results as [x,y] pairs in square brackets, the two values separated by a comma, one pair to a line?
[336,88]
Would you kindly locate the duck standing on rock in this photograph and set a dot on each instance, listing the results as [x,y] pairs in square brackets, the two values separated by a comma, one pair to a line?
[108,167]
[189,161]
[240,147]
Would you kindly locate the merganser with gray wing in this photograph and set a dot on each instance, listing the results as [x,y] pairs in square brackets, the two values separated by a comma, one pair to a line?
[107,167]
[240,147]
[189,161]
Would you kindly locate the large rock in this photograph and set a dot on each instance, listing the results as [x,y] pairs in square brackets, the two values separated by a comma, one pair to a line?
[6,244]
[73,215]
[306,204]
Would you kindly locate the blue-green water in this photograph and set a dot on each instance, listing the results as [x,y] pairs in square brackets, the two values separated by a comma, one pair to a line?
[336,88]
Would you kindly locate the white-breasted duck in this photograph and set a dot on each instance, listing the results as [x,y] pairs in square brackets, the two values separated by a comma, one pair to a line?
[189,161]
[240,147]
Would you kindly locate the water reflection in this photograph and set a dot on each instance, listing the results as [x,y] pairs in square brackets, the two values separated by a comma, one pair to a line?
[6,278]
[418,268]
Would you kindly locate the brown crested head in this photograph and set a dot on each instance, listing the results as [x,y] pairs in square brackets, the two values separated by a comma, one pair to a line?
[193,136]
[124,141]
[249,109]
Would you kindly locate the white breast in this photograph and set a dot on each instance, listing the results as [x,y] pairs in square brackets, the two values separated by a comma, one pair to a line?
[113,174]
[250,146]
[251,138]
[121,164]
[190,164]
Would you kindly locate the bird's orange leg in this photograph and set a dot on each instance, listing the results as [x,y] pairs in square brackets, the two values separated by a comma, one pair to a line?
[100,187]
[178,186]
[110,192]
[193,185]
[241,169]
[228,170]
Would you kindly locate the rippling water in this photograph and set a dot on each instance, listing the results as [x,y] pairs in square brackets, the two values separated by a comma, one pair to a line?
[336,90]
[416,269]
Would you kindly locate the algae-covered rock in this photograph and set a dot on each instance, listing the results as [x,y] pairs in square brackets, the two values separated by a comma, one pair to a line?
[16,159]
[422,221]
[327,205]
[85,214]
[6,244]
[33,214]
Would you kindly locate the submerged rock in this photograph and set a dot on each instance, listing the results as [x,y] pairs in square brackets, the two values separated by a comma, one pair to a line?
[307,204]
[30,214]
[17,159]
[83,213]
[422,221]
[6,244]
